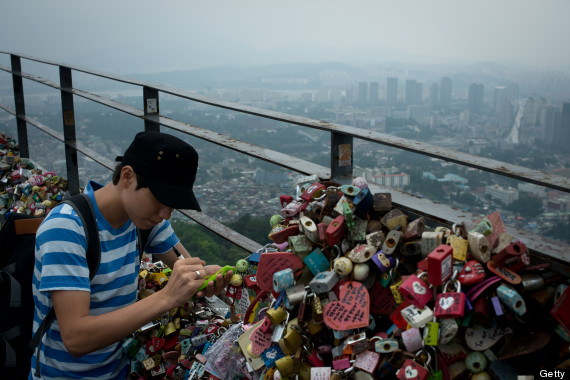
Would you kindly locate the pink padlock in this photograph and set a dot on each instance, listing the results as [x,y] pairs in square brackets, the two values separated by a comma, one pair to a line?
[341,364]
[416,290]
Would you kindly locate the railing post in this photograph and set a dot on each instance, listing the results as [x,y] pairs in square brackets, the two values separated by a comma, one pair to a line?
[151,110]
[20,105]
[69,129]
[341,157]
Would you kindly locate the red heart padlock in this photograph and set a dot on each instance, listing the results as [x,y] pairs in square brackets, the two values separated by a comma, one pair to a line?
[472,273]
[412,371]
[416,290]
[450,304]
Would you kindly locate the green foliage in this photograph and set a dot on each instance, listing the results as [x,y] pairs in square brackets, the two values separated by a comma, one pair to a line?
[560,232]
[214,249]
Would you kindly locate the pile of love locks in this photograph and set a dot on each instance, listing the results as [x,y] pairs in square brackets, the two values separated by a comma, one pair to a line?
[353,288]
[23,187]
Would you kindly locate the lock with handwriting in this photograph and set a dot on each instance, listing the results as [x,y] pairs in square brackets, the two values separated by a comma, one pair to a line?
[450,304]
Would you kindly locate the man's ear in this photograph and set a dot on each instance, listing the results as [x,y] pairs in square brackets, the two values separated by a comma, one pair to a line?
[127,176]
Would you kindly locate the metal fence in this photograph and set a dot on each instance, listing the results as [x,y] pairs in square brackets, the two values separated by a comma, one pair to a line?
[341,165]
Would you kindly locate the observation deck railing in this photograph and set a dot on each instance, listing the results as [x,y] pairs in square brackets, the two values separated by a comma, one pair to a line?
[342,136]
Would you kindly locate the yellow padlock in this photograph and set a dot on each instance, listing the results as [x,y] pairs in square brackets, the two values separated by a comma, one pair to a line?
[160,277]
[314,327]
[395,288]
[169,329]
[460,247]
[148,363]
[276,316]
[305,371]
[289,365]
[317,309]
[143,274]
[291,342]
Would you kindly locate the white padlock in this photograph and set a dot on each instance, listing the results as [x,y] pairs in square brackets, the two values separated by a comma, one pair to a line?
[417,317]
[479,247]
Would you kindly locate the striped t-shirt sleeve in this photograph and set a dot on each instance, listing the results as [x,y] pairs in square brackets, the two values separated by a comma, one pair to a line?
[161,239]
[61,249]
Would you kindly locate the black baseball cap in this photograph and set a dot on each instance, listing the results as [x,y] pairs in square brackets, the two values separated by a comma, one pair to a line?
[168,166]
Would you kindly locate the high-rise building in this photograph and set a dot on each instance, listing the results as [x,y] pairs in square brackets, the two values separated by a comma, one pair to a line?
[392,91]
[551,118]
[475,97]
[565,125]
[501,97]
[414,91]
[445,90]
[434,94]
[502,106]
[373,99]
[362,93]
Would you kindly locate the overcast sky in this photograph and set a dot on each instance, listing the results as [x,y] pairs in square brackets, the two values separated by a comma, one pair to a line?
[143,36]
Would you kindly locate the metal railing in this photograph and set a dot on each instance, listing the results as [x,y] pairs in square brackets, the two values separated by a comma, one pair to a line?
[342,137]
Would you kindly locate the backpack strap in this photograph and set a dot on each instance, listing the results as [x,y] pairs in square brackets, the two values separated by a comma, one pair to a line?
[82,205]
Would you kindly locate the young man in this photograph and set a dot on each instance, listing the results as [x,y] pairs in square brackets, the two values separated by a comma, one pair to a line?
[155,176]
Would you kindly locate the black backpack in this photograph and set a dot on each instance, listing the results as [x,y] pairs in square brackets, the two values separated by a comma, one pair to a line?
[17,261]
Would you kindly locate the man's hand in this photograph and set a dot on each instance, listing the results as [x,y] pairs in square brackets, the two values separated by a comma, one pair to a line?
[217,286]
[184,281]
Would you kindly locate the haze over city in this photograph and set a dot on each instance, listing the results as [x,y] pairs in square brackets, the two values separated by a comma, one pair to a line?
[148,36]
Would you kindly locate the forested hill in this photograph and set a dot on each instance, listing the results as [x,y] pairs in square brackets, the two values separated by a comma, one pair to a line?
[213,249]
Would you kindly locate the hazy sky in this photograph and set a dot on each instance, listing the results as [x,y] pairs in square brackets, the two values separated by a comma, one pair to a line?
[142,35]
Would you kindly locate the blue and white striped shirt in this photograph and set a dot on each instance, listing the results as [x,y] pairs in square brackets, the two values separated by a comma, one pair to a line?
[61,265]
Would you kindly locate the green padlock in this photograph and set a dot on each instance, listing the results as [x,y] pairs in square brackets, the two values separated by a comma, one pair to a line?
[431,333]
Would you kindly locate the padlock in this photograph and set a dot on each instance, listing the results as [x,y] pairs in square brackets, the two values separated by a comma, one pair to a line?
[341,364]
[294,295]
[348,216]
[415,229]
[199,340]
[287,366]
[350,190]
[417,317]
[300,245]
[479,247]
[335,231]
[280,234]
[375,239]
[366,361]
[323,282]
[358,342]
[276,315]
[340,207]
[233,291]
[305,308]
[395,219]
[430,241]
[416,290]
[484,227]
[291,341]
[476,362]
[309,228]
[511,299]
[317,309]
[392,241]
[283,279]
[395,287]
[384,346]
[343,266]
[431,333]
[271,355]
[292,209]
[450,304]
[360,272]
[411,248]
[382,202]
[511,252]
[412,370]
[472,273]
[440,265]
[361,253]
[383,262]
[460,247]
[363,203]
[317,261]
[313,191]
[412,339]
